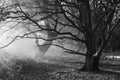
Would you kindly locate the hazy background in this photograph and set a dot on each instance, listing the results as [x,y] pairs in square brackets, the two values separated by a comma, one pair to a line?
[26,48]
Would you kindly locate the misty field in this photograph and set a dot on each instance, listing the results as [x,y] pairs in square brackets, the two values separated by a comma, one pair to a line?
[57,68]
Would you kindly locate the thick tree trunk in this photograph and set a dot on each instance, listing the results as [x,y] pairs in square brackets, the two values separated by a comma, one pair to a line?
[91,58]
[91,62]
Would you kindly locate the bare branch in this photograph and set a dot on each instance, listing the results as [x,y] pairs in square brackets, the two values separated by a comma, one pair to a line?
[9,43]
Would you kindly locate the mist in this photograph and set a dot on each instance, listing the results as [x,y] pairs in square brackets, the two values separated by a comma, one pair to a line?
[24,48]
[27,49]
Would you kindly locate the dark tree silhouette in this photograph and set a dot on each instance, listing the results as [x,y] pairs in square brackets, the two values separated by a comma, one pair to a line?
[94,19]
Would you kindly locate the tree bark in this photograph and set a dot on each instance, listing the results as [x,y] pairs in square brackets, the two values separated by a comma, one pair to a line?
[91,63]
[91,58]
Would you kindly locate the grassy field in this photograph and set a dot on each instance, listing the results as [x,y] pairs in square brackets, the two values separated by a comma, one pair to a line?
[59,68]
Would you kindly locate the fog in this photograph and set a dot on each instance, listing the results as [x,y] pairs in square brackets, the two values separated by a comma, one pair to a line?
[23,48]
[27,48]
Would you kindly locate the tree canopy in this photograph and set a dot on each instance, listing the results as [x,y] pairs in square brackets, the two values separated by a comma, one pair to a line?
[91,22]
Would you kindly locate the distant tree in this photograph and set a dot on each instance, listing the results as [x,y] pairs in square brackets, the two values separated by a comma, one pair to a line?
[94,19]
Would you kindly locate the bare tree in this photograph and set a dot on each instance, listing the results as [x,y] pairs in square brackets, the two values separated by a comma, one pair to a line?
[94,19]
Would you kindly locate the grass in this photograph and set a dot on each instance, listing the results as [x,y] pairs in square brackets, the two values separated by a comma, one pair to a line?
[58,69]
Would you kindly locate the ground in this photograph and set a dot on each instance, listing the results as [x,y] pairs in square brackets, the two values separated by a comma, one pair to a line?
[59,68]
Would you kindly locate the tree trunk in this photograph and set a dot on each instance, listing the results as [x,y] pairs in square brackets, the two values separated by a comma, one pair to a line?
[91,62]
[91,58]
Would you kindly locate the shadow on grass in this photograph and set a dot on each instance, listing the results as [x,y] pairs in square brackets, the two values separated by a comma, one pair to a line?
[28,70]
[110,68]
[109,72]
[31,70]
[40,68]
